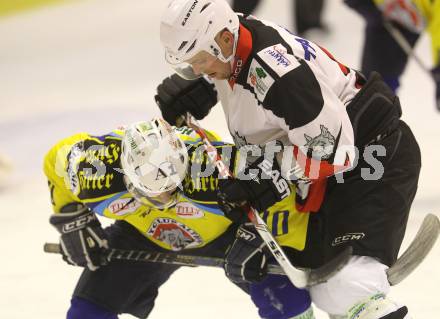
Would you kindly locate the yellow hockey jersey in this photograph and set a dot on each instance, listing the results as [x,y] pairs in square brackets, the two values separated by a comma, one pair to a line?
[86,169]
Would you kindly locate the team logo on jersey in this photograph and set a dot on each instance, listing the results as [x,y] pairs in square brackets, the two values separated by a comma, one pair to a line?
[259,80]
[176,235]
[321,146]
[123,206]
[239,140]
[188,210]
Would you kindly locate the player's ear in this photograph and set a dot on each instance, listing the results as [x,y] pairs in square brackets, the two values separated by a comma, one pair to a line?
[225,40]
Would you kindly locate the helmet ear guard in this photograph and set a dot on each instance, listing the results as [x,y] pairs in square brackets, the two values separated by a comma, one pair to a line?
[154,160]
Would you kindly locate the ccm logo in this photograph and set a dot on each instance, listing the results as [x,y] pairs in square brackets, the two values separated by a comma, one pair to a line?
[347,237]
[245,234]
[78,223]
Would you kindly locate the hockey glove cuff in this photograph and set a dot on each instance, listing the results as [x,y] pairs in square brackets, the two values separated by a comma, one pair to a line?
[246,260]
[83,241]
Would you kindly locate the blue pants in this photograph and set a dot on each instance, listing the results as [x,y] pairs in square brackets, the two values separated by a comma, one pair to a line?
[277,298]
[84,309]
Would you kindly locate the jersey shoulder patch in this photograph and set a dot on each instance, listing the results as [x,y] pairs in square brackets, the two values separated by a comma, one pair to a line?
[278,59]
[259,79]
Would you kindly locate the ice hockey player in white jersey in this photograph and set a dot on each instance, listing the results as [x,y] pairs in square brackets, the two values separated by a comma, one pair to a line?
[355,163]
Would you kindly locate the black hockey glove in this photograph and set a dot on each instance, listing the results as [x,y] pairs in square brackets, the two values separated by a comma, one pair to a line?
[436,75]
[83,242]
[260,190]
[177,96]
[246,260]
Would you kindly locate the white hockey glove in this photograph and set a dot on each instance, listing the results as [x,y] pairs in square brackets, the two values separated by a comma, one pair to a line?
[83,241]
[246,260]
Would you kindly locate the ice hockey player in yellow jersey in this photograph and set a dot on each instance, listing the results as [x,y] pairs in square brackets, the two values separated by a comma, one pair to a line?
[158,184]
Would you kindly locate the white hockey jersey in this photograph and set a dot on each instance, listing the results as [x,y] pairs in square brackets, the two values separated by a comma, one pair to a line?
[286,88]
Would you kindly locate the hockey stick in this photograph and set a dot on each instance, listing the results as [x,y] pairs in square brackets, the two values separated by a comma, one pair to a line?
[404,266]
[316,276]
[404,45]
[417,251]
[300,278]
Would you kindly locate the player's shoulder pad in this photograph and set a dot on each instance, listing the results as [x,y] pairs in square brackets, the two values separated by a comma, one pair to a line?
[62,148]
[267,66]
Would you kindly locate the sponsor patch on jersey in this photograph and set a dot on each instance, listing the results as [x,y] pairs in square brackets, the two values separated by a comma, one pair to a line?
[278,59]
[123,206]
[259,80]
[188,210]
[176,235]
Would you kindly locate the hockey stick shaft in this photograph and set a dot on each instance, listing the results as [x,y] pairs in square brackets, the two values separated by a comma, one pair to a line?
[316,276]
[165,258]
[300,278]
[419,248]
[411,258]
[404,44]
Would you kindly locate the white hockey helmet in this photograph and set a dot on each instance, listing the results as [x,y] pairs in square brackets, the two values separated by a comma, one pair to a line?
[155,162]
[189,26]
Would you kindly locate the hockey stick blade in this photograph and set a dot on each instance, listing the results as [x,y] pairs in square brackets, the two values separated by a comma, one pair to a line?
[315,276]
[326,271]
[417,251]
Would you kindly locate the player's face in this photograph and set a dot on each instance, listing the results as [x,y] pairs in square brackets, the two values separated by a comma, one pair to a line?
[158,201]
[204,63]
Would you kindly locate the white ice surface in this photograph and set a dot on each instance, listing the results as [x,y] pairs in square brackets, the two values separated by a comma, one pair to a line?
[91,65]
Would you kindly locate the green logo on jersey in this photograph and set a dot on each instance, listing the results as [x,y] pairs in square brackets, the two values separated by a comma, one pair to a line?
[260,72]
